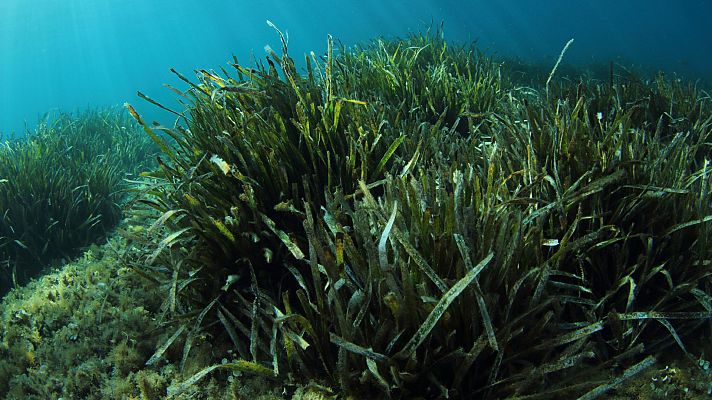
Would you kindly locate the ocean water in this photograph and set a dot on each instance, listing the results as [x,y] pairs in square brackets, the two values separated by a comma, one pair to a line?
[72,54]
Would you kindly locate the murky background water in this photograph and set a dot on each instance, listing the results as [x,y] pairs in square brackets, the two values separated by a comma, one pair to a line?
[73,54]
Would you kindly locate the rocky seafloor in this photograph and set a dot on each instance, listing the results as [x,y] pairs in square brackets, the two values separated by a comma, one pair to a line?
[85,331]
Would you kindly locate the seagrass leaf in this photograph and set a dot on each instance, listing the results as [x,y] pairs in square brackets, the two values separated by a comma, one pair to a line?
[627,374]
[296,318]
[565,362]
[163,347]
[157,104]
[596,186]
[254,331]
[182,387]
[571,336]
[688,224]
[703,298]
[173,290]
[166,242]
[387,155]
[239,365]
[465,253]
[291,246]
[356,349]
[228,328]
[273,349]
[413,161]
[382,256]
[665,315]
[194,332]
[298,339]
[162,144]
[417,339]
[373,369]
[163,218]
[673,332]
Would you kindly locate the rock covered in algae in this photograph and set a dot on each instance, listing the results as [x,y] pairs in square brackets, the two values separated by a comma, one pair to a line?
[86,330]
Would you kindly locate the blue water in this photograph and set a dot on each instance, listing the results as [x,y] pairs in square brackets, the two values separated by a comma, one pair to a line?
[73,54]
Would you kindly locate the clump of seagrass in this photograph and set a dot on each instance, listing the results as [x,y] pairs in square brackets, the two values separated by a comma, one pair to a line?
[348,226]
[423,79]
[60,188]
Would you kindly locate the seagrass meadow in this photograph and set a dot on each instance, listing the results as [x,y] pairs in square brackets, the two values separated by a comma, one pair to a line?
[61,188]
[406,219]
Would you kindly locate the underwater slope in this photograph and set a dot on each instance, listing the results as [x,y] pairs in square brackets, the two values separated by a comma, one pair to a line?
[405,219]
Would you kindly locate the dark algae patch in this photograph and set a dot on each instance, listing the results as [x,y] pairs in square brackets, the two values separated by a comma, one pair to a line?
[400,219]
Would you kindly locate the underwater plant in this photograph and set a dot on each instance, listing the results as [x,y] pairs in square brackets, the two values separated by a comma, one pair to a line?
[403,221]
[61,188]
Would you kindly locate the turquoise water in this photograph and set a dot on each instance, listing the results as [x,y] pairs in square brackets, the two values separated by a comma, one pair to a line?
[73,54]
